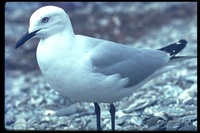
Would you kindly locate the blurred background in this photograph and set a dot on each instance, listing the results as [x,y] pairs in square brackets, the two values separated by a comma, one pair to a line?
[153,24]
[29,100]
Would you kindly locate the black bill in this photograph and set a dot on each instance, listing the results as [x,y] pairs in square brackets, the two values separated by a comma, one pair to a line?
[25,37]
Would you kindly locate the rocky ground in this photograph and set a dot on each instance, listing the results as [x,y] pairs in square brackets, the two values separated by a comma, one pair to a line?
[168,102]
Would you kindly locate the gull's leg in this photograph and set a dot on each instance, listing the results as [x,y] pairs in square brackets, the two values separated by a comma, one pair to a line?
[98,115]
[112,113]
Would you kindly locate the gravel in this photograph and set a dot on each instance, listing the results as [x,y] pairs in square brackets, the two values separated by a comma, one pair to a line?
[166,103]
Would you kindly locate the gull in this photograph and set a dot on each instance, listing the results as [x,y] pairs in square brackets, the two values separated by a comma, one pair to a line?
[93,70]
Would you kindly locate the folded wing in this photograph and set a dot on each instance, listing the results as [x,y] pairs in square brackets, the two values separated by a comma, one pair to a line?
[110,58]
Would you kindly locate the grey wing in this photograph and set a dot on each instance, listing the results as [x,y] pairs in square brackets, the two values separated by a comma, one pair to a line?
[110,58]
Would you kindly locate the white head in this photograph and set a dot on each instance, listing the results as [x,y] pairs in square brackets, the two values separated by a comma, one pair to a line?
[49,20]
[45,22]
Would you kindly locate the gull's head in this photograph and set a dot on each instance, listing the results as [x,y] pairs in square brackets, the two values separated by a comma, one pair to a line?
[45,22]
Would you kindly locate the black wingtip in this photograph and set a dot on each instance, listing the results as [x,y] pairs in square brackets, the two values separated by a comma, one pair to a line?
[183,41]
[175,48]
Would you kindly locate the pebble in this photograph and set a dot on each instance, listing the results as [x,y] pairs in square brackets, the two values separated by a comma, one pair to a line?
[154,128]
[70,127]
[175,111]
[20,124]
[191,108]
[173,125]
[64,121]
[108,127]
[9,119]
[136,121]
[140,104]
[194,124]
[119,121]
[169,101]
[187,128]
[92,125]
[105,114]
[172,91]
[152,121]
[72,109]
[42,126]
[37,100]
[169,111]
[187,96]
[189,118]
[121,113]
[144,103]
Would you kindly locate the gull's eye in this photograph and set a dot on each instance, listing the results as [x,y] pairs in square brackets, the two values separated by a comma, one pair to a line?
[45,19]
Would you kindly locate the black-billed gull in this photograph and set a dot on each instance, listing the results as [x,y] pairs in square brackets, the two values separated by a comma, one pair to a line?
[93,70]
